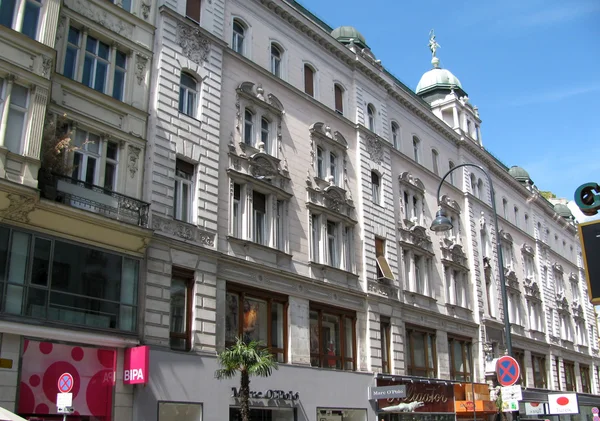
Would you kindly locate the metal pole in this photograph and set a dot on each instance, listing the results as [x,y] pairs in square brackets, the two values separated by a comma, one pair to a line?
[507,333]
[64,417]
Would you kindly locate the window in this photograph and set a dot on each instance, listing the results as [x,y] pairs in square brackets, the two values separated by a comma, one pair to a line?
[416,144]
[339,98]
[529,263]
[383,268]
[187,94]
[385,335]
[183,197]
[516,210]
[315,223]
[566,329]
[256,315]
[236,220]
[309,80]
[527,223]
[575,291]
[371,117]
[460,359]
[86,158]
[66,282]
[125,4]
[326,246]
[586,385]
[557,365]
[473,181]
[248,127]
[265,134]
[327,160]
[320,163]
[9,9]
[580,333]
[111,165]
[259,135]
[239,32]
[417,269]
[259,218]
[179,411]
[514,308]
[569,376]
[333,167]
[451,175]
[507,254]
[332,338]
[480,190]
[505,208]
[538,362]
[333,256]
[396,135]
[192,10]
[182,304]
[421,358]
[413,202]
[519,355]
[97,63]
[16,122]
[375,188]
[456,286]
[559,282]
[435,159]
[276,56]
[536,317]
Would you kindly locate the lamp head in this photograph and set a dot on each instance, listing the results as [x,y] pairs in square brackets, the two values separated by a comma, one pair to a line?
[441,222]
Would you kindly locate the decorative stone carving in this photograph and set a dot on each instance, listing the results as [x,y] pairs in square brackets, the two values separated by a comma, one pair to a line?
[323,131]
[450,203]
[194,44]
[140,67]
[408,179]
[527,249]
[46,66]
[19,208]
[334,199]
[182,230]
[60,29]
[145,10]
[558,267]
[89,10]
[375,149]
[505,236]
[262,167]
[416,236]
[532,291]
[133,154]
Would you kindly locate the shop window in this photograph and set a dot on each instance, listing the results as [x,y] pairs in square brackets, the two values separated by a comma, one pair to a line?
[179,411]
[539,371]
[341,414]
[256,315]
[332,338]
[385,335]
[421,357]
[460,359]
[66,282]
[584,371]
[182,302]
[93,372]
[264,414]
[569,367]
[383,268]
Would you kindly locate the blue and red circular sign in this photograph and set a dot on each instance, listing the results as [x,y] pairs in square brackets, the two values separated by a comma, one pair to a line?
[65,383]
[507,370]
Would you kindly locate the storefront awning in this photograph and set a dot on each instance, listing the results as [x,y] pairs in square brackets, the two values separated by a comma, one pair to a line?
[6,415]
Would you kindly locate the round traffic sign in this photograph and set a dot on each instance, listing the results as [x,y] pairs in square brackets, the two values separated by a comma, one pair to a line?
[595,410]
[65,383]
[507,370]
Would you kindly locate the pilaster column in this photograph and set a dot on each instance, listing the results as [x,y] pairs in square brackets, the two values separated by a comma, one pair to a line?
[299,314]
[49,26]
[5,107]
[33,140]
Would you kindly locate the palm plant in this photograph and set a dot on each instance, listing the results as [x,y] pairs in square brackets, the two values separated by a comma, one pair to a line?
[250,359]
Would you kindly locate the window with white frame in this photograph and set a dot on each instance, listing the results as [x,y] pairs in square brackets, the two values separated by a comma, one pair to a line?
[395,128]
[276,58]
[473,180]
[514,307]
[327,165]
[456,286]
[454,233]
[333,167]
[480,189]
[516,210]
[331,241]
[95,161]
[371,117]
[188,94]
[21,15]
[124,4]
[416,145]
[258,130]
[435,157]
[580,333]
[183,198]
[14,103]
[258,214]
[239,34]
[566,327]
[536,315]
[506,248]
[559,282]
[575,291]
[375,188]
[451,175]
[529,263]
[265,133]
[413,200]
[101,66]
[417,269]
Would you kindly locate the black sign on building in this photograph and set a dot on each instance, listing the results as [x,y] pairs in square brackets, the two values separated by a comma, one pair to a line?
[589,233]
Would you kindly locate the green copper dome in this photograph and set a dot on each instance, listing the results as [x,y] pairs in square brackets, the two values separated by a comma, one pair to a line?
[563,210]
[345,33]
[438,78]
[519,173]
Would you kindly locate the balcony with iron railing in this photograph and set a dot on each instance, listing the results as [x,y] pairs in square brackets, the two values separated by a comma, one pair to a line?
[89,197]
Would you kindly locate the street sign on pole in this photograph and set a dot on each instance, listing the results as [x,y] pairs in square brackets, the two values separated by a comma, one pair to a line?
[65,383]
[512,393]
[64,403]
[507,370]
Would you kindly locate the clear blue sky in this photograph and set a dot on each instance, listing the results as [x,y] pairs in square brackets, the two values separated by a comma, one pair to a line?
[531,66]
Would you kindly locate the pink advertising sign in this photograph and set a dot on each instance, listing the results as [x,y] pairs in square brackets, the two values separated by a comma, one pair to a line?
[135,367]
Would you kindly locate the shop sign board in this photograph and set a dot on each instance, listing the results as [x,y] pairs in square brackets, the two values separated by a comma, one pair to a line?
[512,393]
[135,366]
[509,406]
[387,392]
[534,408]
[432,396]
[562,403]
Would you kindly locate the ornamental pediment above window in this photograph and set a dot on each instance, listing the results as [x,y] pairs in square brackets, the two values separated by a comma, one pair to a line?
[450,204]
[410,181]
[558,267]
[416,236]
[532,291]
[578,311]
[573,277]
[256,94]
[563,305]
[454,254]
[334,199]
[512,282]
[505,236]
[527,249]
[263,168]
[323,132]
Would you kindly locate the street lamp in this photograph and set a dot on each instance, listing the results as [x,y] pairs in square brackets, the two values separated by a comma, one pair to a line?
[443,223]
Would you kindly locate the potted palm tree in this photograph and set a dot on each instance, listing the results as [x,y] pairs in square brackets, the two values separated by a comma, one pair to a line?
[249,359]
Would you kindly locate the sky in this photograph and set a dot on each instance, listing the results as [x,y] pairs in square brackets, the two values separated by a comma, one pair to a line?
[531,66]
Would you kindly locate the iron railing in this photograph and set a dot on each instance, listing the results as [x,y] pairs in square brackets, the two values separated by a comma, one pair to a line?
[86,196]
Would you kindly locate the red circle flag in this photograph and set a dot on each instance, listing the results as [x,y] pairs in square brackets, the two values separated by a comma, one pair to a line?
[65,383]
[507,370]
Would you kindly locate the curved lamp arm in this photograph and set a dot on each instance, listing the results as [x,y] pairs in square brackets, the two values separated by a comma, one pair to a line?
[507,332]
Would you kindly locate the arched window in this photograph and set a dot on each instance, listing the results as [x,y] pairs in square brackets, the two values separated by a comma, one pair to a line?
[375,187]
[187,94]
[473,185]
[395,135]
[451,176]
[527,223]
[434,159]
[339,98]
[276,57]
[505,208]
[416,144]
[309,80]
[480,189]
[516,210]
[239,32]
[371,117]
[265,136]
[248,127]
